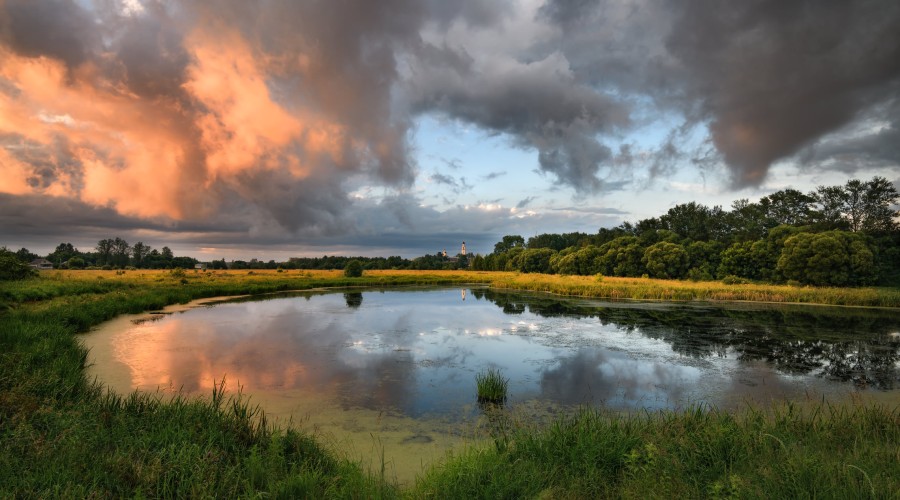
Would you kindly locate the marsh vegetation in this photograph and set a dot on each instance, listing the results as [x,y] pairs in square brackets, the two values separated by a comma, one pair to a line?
[64,435]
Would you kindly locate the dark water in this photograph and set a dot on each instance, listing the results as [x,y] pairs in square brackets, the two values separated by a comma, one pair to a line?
[416,352]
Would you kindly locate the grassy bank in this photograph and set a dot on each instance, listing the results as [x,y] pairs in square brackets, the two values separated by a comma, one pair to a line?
[786,452]
[62,435]
[652,289]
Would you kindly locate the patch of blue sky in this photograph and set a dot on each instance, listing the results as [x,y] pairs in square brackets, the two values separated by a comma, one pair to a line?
[461,164]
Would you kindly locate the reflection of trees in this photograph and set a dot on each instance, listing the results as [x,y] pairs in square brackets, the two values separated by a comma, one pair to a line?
[844,344]
[353,299]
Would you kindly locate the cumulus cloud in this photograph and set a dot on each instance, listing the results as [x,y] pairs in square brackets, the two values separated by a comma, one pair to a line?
[171,110]
[772,77]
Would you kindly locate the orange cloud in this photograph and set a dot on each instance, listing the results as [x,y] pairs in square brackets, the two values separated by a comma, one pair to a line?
[242,126]
[156,156]
[131,158]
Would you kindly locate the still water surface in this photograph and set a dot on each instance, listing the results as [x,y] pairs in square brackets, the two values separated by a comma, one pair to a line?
[392,372]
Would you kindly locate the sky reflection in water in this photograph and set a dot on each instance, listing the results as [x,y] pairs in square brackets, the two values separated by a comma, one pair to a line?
[416,353]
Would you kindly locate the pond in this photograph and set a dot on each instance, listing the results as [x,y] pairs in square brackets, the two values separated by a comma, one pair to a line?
[389,375]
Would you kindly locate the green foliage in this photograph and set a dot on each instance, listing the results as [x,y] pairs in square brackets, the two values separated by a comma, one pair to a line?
[353,269]
[621,257]
[837,258]
[697,453]
[583,261]
[76,263]
[11,268]
[534,260]
[733,280]
[508,243]
[666,260]
[492,386]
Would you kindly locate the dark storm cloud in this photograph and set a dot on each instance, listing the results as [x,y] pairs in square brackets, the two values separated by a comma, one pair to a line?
[538,104]
[769,77]
[479,13]
[59,29]
[877,145]
[772,76]
[568,11]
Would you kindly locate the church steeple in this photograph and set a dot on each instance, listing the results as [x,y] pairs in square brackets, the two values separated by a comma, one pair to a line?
[463,252]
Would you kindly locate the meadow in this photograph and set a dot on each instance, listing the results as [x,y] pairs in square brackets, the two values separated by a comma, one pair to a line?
[62,435]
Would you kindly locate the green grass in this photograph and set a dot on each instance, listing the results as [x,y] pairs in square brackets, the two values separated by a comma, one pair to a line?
[816,452]
[62,435]
[492,386]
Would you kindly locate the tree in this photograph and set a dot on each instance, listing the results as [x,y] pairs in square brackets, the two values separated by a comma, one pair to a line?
[535,260]
[788,206]
[666,260]
[621,257]
[76,263]
[747,221]
[120,251]
[508,243]
[580,261]
[837,258]
[166,253]
[11,268]
[104,251]
[863,206]
[704,259]
[138,252]
[878,197]
[26,255]
[694,221]
[353,269]
[831,201]
[62,253]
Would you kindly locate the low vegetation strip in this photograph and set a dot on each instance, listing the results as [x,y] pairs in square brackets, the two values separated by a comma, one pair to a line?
[63,435]
[653,289]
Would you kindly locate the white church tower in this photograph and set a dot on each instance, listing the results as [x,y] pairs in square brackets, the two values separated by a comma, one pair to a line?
[463,251]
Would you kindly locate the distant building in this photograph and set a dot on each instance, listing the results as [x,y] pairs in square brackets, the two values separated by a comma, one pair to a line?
[201,266]
[454,259]
[41,264]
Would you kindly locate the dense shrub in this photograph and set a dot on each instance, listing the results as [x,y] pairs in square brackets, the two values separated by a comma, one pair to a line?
[353,269]
[666,260]
[11,268]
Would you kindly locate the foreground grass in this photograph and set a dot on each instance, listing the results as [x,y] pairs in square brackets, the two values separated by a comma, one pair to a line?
[787,452]
[62,435]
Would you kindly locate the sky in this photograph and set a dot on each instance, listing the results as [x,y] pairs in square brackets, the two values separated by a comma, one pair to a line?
[245,129]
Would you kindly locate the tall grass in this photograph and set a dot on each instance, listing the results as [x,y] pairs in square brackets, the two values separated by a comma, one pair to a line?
[491,386]
[821,451]
[654,289]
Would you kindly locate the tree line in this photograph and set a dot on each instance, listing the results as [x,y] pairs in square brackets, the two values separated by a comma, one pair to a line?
[835,235]
[111,253]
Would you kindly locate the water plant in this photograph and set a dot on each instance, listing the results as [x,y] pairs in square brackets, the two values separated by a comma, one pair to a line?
[492,386]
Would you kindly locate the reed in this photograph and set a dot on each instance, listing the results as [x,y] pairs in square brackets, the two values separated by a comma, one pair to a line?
[492,386]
